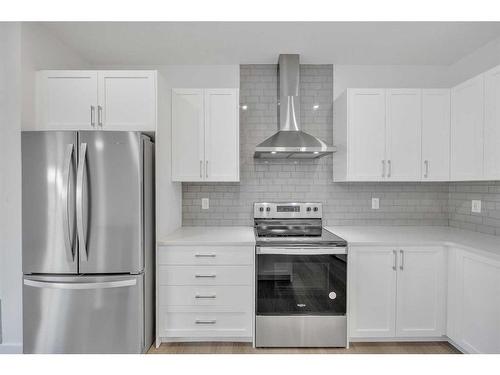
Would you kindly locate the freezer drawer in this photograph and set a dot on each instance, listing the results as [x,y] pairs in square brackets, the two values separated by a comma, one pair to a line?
[83,314]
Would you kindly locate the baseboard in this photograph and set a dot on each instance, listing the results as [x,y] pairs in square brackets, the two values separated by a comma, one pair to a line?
[398,339]
[203,339]
[11,348]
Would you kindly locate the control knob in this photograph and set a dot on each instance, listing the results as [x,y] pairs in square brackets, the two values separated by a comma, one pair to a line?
[268,209]
[308,209]
[315,209]
[261,209]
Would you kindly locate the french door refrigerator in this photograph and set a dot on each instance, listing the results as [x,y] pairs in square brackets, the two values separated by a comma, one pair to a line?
[88,242]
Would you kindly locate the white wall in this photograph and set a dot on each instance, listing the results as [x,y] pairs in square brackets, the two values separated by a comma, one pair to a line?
[396,76]
[10,187]
[169,194]
[24,48]
[477,62]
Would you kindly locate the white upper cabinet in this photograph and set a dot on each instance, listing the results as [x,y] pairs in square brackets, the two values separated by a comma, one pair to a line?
[492,124]
[127,100]
[467,117]
[435,135]
[222,136]
[360,135]
[66,100]
[96,100]
[421,292]
[188,145]
[403,134]
[205,135]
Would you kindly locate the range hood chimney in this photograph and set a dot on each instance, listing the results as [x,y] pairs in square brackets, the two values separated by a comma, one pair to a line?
[290,142]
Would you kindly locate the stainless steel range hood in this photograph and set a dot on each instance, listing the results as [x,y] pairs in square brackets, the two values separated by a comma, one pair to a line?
[290,142]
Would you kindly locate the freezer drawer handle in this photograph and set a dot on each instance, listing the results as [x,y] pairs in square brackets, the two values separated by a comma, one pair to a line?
[97,285]
[205,296]
[212,275]
[200,321]
[79,200]
[210,255]
[67,171]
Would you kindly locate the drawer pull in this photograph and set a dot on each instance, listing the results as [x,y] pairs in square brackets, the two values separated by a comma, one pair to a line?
[206,296]
[211,255]
[212,275]
[199,321]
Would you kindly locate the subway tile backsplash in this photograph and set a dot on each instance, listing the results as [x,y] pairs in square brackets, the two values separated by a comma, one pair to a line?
[311,180]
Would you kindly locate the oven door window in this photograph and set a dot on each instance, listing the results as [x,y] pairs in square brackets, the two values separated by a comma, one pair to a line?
[301,284]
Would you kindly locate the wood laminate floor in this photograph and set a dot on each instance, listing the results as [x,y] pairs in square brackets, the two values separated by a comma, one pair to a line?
[355,348]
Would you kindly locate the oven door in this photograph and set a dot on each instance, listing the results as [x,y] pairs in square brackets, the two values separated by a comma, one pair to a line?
[301,281]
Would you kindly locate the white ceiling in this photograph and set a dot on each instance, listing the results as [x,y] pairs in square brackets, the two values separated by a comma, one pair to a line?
[388,43]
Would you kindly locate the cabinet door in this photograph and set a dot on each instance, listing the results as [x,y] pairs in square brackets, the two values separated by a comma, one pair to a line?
[127,100]
[478,303]
[188,151]
[435,135]
[372,292]
[403,132]
[222,135]
[421,294]
[66,100]
[467,114]
[492,124]
[366,134]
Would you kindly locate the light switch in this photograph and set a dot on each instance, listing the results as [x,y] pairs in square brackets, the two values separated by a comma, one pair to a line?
[204,203]
[375,203]
[476,206]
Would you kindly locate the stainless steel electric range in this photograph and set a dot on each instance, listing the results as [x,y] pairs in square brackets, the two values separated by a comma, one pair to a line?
[301,276]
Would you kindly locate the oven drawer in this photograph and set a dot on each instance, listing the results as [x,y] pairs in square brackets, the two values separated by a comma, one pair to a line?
[189,324]
[237,297]
[206,255]
[206,275]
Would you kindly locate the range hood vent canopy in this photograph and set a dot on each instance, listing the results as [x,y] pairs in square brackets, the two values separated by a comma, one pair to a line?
[290,142]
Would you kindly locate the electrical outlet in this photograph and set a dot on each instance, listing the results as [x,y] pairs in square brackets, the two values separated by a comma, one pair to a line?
[204,203]
[476,206]
[375,203]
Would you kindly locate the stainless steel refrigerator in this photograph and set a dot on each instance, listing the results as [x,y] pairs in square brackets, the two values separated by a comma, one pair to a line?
[88,242]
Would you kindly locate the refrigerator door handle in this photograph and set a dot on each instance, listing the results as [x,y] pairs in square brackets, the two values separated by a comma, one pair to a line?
[79,200]
[67,173]
[96,285]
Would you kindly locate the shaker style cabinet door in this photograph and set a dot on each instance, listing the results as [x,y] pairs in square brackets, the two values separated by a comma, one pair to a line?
[222,135]
[127,100]
[467,125]
[372,292]
[435,135]
[66,100]
[421,292]
[366,139]
[492,124]
[188,135]
[403,134]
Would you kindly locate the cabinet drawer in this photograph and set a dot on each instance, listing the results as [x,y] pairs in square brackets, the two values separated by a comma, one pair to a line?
[206,324]
[206,255]
[206,275]
[238,297]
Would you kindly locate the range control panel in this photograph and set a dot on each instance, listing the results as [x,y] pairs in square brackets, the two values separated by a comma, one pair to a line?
[287,210]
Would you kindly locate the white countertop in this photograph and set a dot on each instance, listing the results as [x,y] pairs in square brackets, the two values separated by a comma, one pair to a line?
[210,236]
[414,235]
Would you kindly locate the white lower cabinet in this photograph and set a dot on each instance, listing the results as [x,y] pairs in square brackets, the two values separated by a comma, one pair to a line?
[397,292]
[205,292]
[474,302]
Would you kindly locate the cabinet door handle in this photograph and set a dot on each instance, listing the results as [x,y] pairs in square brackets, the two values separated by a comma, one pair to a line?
[389,167]
[206,169]
[426,162]
[395,254]
[99,115]
[202,321]
[205,296]
[200,255]
[201,167]
[92,115]
[383,168]
[401,265]
[199,276]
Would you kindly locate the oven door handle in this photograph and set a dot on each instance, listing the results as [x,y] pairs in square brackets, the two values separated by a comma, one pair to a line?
[301,251]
